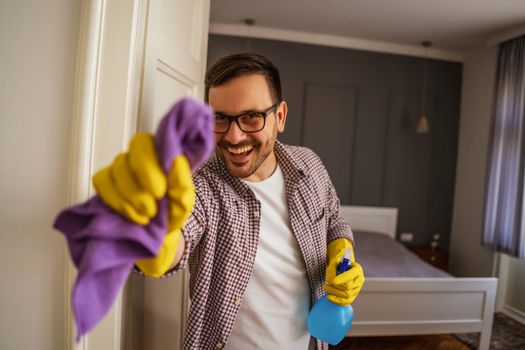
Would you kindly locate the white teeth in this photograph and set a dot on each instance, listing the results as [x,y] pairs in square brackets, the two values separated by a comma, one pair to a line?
[240,150]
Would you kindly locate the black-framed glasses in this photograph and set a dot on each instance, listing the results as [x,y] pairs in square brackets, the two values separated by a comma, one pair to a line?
[247,122]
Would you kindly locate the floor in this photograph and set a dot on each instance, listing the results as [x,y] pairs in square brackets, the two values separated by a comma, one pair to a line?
[507,334]
[427,342]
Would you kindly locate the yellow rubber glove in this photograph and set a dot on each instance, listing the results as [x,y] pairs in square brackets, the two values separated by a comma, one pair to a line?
[157,266]
[131,186]
[142,200]
[141,181]
[144,163]
[182,197]
[342,289]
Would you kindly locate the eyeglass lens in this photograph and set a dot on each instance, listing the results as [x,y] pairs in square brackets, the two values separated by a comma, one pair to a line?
[250,122]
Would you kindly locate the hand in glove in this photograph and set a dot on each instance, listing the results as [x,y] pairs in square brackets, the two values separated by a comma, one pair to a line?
[342,289]
[134,182]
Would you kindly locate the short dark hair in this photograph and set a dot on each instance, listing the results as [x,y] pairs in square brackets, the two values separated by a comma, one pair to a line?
[233,66]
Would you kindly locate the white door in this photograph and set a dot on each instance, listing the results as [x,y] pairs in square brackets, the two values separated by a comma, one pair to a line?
[136,58]
[176,47]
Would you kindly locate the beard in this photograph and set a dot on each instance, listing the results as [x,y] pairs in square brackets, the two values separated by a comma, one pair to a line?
[249,163]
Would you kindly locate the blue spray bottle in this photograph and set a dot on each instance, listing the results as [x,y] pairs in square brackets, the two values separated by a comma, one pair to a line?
[329,321]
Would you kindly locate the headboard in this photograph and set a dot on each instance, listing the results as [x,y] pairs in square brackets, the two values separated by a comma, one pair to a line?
[374,219]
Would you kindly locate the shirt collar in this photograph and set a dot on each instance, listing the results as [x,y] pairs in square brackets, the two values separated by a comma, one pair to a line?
[292,169]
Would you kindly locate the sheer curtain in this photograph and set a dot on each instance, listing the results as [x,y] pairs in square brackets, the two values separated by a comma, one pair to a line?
[504,226]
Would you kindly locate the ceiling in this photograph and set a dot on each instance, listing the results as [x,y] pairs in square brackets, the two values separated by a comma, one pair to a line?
[455,25]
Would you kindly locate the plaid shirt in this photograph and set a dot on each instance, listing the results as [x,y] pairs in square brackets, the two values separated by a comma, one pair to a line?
[222,236]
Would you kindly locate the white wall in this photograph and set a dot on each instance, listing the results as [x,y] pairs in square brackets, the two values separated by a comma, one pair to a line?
[467,257]
[516,285]
[38,44]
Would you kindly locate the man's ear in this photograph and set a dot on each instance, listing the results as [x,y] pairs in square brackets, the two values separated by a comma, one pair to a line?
[281,113]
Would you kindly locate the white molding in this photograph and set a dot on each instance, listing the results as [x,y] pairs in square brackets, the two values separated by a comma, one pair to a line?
[333,40]
[514,313]
[94,111]
[85,101]
[172,73]
[132,106]
[508,34]
[135,64]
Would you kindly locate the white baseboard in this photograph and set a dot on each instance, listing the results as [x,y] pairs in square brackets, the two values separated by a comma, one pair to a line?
[514,313]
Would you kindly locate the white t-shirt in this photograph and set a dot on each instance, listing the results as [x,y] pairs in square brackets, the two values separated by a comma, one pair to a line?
[275,305]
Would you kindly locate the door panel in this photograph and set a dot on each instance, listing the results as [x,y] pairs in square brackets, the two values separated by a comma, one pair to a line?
[176,47]
[174,67]
[170,89]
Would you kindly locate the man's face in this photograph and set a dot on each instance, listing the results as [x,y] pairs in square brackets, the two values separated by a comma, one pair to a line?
[247,155]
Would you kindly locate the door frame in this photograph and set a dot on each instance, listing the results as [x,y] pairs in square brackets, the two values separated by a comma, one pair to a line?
[110,30]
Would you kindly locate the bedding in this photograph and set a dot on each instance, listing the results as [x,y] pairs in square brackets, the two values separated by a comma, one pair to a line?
[381,256]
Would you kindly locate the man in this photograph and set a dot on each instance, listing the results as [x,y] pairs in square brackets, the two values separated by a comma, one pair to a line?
[265,232]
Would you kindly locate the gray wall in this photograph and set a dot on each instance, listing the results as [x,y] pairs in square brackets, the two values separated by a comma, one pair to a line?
[358,110]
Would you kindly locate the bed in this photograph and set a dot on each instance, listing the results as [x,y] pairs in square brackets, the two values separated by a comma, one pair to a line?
[403,295]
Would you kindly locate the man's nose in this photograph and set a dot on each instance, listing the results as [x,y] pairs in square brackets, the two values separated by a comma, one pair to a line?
[234,134]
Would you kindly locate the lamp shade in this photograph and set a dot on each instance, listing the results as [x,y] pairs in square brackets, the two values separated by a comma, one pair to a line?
[422,125]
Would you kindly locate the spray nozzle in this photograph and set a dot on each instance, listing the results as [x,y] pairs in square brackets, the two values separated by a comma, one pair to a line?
[345,263]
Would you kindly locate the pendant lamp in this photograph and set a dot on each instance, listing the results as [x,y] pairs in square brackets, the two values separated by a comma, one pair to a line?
[249,23]
[422,124]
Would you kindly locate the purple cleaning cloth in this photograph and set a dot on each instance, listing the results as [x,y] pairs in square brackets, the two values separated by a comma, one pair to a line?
[103,244]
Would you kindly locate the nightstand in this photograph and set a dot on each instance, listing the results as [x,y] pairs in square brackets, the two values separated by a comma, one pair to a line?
[436,257]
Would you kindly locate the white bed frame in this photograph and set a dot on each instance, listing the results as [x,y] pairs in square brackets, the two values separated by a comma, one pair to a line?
[413,306]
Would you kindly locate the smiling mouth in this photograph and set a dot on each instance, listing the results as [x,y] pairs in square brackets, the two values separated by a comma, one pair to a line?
[236,151]
[239,155]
